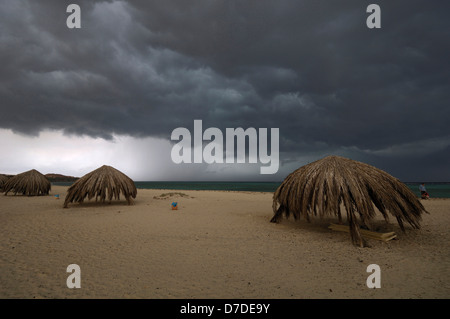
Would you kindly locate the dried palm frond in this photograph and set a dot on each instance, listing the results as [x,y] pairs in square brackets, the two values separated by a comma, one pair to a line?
[30,183]
[320,188]
[3,179]
[103,183]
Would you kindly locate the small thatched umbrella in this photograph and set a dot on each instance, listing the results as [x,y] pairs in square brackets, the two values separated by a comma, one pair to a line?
[104,182]
[320,187]
[30,183]
[3,179]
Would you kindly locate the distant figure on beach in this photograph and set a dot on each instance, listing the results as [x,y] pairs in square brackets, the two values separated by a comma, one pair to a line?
[423,191]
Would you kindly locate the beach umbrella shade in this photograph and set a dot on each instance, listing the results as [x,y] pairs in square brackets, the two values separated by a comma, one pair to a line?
[319,189]
[30,183]
[3,179]
[103,183]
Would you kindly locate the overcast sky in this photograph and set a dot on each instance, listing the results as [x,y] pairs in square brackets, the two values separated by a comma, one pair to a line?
[113,91]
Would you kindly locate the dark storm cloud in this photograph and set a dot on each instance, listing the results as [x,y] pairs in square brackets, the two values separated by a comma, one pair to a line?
[311,68]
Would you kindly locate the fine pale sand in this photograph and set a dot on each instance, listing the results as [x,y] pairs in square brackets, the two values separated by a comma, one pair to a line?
[217,245]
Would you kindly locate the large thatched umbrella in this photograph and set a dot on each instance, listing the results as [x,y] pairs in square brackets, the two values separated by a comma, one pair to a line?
[320,187]
[104,182]
[30,183]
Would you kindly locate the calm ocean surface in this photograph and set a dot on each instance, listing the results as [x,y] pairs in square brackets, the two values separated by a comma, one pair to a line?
[436,190]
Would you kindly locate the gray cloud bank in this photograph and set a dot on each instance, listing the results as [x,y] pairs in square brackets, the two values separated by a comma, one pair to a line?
[311,68]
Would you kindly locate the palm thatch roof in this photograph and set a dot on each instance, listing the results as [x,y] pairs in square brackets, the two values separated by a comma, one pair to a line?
[320,188]
[30,183]
[3,179]
[103,183]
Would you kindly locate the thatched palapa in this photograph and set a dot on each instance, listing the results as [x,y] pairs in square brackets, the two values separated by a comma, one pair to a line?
[320,188]
[30,183]
[103,183]
[3,179]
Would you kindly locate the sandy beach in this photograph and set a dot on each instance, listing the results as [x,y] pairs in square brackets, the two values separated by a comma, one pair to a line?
[218,244]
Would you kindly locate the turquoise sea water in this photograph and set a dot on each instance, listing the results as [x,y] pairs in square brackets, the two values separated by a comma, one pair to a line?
[436,190]
[220,186]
